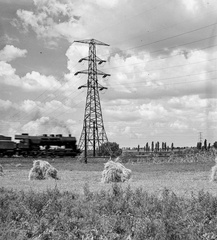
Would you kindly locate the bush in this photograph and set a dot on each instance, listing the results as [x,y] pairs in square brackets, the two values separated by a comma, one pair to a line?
[110,149]
[113,214]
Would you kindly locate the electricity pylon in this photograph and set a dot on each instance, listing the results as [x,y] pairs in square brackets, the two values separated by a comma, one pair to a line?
[93,133]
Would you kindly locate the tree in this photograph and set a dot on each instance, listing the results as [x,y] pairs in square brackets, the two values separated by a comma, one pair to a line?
[152,146]
[205,144]
[199,145]
[110,149]
[147,147]
[172,146]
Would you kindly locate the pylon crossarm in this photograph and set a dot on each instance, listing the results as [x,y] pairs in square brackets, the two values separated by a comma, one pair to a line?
[84,71]
[102,73]
[91,41]
[82,59]
[100,61]
[97,72]
[82,86]
[100,87]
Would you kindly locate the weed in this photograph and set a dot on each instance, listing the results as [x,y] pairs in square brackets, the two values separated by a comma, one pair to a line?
[113,214]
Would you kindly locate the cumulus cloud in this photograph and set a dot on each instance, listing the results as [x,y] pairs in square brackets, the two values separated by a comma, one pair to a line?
[31,81]
[35,80]
[9,53]
[36,117]
[178,125]
[52,19]
[46,125]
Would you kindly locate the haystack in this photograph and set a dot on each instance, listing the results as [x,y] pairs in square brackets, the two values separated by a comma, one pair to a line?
[213,172]
[1,170]
[42,170]
[115,172]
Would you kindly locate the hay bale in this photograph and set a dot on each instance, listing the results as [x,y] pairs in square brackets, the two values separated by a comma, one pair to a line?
[213,172]
[115,172]
[1,170]
[81,157]
[42,170]
[51,172]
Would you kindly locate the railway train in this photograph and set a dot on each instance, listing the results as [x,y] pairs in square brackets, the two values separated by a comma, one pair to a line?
[39,146]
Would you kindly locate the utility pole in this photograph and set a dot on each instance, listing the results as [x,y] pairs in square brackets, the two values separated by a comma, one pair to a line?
[93,134]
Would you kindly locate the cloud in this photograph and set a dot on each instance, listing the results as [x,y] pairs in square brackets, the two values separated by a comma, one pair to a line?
[46,125]
[9,53]
[33,81]
[54,19]
[6,39]
[148,77]
[178,125]
[5,104]
[51,20]
[36,117]
[48,108]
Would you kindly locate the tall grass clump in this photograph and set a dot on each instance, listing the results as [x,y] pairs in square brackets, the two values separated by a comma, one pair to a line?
[115,214]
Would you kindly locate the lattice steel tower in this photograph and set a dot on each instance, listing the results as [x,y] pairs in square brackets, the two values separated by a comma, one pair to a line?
[93,133]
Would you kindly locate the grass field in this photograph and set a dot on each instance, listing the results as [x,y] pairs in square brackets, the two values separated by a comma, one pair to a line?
[182,178]
[170,201]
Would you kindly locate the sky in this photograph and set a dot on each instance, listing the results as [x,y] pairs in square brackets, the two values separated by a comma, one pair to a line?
[162,58]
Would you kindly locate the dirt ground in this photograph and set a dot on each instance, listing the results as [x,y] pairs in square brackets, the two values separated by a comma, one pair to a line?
[182,178]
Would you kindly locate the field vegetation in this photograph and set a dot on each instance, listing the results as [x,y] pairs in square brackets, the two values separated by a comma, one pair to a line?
[168,200]
[114,214]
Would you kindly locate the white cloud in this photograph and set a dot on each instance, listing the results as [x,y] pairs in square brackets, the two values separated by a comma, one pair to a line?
[188,102]
[34,81]
[153,111]
[9,53]
[47,125]
[178,125]
[191,5]
[30,82]
[51,20]
[8,75]
[5,104]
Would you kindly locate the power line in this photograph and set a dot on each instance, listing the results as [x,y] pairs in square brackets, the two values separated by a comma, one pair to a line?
[161,40]
[160,50]
[167,27]
[124,20]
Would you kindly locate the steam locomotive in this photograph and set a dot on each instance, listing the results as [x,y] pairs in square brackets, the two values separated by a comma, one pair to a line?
[39,146]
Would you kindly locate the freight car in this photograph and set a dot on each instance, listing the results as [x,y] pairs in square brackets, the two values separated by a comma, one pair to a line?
[36,146]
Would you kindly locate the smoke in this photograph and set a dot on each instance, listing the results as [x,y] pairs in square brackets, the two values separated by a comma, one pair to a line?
[62,124]
[46,125]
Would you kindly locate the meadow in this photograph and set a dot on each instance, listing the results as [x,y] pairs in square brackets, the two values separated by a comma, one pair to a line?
[182,178]
[161,201]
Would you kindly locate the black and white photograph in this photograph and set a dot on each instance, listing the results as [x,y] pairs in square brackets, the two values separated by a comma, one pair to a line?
[108,119]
